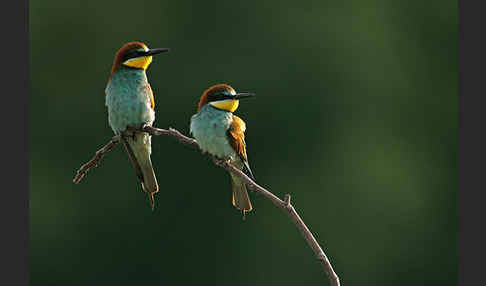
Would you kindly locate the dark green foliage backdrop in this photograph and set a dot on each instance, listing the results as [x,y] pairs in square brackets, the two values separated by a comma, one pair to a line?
[355,116]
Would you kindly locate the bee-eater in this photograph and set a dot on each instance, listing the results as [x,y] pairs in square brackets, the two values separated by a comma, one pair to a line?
[130,103]
[222,134]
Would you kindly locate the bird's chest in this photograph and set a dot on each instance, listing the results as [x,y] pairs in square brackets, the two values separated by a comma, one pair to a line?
[128,101]
[209,128]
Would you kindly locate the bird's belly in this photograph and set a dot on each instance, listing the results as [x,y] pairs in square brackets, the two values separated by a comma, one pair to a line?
[211,136]
[217,146]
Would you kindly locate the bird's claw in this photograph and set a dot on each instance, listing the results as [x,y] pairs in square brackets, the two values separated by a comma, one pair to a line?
[129,132]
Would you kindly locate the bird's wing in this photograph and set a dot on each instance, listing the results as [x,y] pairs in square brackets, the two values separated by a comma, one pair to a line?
[151,95]
[236,136]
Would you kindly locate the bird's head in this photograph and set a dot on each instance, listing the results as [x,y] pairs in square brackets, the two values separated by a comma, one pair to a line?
[222,96]
[135,55]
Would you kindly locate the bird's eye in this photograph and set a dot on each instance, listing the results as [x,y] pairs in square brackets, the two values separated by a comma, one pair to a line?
[129,55]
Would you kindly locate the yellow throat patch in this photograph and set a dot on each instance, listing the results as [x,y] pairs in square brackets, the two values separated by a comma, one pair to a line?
[227,104]
[140,62]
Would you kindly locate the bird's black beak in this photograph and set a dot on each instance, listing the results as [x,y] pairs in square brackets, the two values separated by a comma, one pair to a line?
[243,95]
[155,51]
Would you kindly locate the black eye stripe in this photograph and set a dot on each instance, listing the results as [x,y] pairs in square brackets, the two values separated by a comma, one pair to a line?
[133,54]
[219,96]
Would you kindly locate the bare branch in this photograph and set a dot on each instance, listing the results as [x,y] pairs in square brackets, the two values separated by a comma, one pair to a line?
[282,204]
[96,159]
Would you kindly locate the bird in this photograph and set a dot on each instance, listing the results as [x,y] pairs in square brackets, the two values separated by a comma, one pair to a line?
[130,103]
[222,134]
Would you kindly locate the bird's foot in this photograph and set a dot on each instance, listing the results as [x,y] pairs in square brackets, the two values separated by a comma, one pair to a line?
[221,161]
[143,125]
[225,160]
[129,132]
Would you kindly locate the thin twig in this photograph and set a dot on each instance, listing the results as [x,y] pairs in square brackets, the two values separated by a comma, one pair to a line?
[96,159]
[282,204]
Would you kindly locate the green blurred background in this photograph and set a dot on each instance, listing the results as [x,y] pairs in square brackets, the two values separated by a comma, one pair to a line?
[355,116]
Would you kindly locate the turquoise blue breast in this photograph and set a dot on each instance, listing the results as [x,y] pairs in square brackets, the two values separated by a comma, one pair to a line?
[128,99]
[209,127]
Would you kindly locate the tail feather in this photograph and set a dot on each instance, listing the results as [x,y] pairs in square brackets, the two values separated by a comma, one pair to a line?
[133,160]
[241,200]
[139,148]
